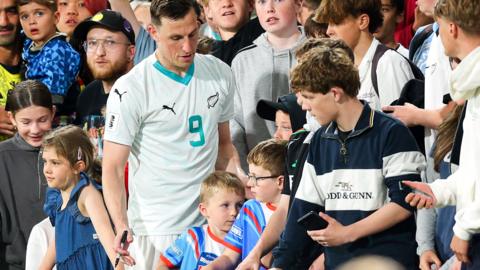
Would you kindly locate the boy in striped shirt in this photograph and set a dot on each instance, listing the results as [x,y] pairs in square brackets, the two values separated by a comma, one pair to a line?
[221,196]
[266,163]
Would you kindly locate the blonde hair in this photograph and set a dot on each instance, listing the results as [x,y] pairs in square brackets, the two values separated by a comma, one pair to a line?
[464,13]
[270,155]
[322,68]
[220,180]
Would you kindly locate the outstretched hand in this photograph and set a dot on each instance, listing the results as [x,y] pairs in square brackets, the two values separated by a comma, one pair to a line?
[423,198]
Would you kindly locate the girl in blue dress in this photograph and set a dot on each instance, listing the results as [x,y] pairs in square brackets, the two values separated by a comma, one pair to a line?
[83,231]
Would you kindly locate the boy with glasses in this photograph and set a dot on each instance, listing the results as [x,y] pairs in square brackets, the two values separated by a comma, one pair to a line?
[266,163]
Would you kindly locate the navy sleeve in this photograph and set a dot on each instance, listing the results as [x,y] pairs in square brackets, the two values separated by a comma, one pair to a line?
[402,160]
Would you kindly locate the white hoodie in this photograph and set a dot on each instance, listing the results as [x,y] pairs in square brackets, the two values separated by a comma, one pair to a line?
[463,187]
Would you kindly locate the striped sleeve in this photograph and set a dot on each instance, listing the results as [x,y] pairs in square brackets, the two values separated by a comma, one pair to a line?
[402,160]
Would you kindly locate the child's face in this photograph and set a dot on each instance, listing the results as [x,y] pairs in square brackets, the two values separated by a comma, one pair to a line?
[229,15]
[32,123]
[283,126]
[390,20]
[72,12]
[38,22]
[57,169]
[221,210]
[320,106]
[348,31]
[278,16]
[266,189]
[304,13]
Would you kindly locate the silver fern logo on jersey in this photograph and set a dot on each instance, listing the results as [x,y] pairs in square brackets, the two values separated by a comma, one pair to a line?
[212,100]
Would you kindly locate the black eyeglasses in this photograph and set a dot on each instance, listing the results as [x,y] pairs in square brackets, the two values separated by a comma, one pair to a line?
[255,179]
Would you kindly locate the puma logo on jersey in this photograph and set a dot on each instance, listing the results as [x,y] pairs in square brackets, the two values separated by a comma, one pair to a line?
[120,95]
[165,107]
[212,100]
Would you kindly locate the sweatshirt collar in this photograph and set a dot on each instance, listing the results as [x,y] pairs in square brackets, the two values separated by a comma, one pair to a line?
[465,79]
[364,123]
[22,144]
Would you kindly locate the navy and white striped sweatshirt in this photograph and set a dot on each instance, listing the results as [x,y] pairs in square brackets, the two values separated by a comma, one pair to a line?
[351,179]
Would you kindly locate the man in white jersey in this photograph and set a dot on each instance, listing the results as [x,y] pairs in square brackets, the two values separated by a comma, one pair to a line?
[169,116]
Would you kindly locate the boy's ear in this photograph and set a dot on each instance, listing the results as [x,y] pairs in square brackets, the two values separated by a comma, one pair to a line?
[363,21]
[338,93]
[203,209]
[453,30]
[281,180]
[57,16]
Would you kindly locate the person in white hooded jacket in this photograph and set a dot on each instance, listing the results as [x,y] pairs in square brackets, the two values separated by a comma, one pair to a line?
[460,35]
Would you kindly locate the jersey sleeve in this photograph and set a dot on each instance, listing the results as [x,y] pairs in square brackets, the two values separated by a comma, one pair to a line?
[228,104]
[175,254]
[123,112]
[234,238]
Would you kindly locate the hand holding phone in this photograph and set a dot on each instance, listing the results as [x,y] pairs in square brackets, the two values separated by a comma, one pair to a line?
[312,221]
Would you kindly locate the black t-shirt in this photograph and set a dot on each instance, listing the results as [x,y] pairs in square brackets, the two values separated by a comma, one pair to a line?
[297,152]
[226,50]
[91,102]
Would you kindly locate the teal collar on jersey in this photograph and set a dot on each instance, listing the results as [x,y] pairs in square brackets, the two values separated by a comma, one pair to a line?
[183,80]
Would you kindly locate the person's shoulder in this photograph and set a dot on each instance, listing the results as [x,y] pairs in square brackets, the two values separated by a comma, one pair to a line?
[387,122]
[247,52]
[210,61]
[8,145]
[251,204]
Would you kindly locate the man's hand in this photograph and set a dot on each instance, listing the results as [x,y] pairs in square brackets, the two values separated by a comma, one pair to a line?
[6,127]
[251,262]
[460,248]
[334,235]
[420,200]
[120,248]
[407,113]
[428,258]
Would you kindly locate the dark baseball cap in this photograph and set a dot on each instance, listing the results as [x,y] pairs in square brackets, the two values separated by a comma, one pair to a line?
[109,19]
[267,109]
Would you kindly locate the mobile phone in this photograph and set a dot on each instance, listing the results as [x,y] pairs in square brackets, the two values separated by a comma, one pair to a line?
[312,221]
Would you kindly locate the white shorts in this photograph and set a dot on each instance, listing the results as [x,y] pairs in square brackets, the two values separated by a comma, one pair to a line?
[146,250]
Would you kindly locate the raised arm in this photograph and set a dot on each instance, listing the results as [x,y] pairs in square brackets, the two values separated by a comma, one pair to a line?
[123,6]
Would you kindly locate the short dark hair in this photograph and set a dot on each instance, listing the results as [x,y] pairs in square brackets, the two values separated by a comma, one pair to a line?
[50,4]
[171,9]
[337,11]
[28,93]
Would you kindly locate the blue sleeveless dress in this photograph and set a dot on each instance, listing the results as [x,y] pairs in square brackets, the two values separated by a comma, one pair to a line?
[77,243]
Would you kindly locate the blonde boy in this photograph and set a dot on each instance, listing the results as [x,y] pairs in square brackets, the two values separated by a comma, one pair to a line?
[221,196]
[262,69]
[266,163]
